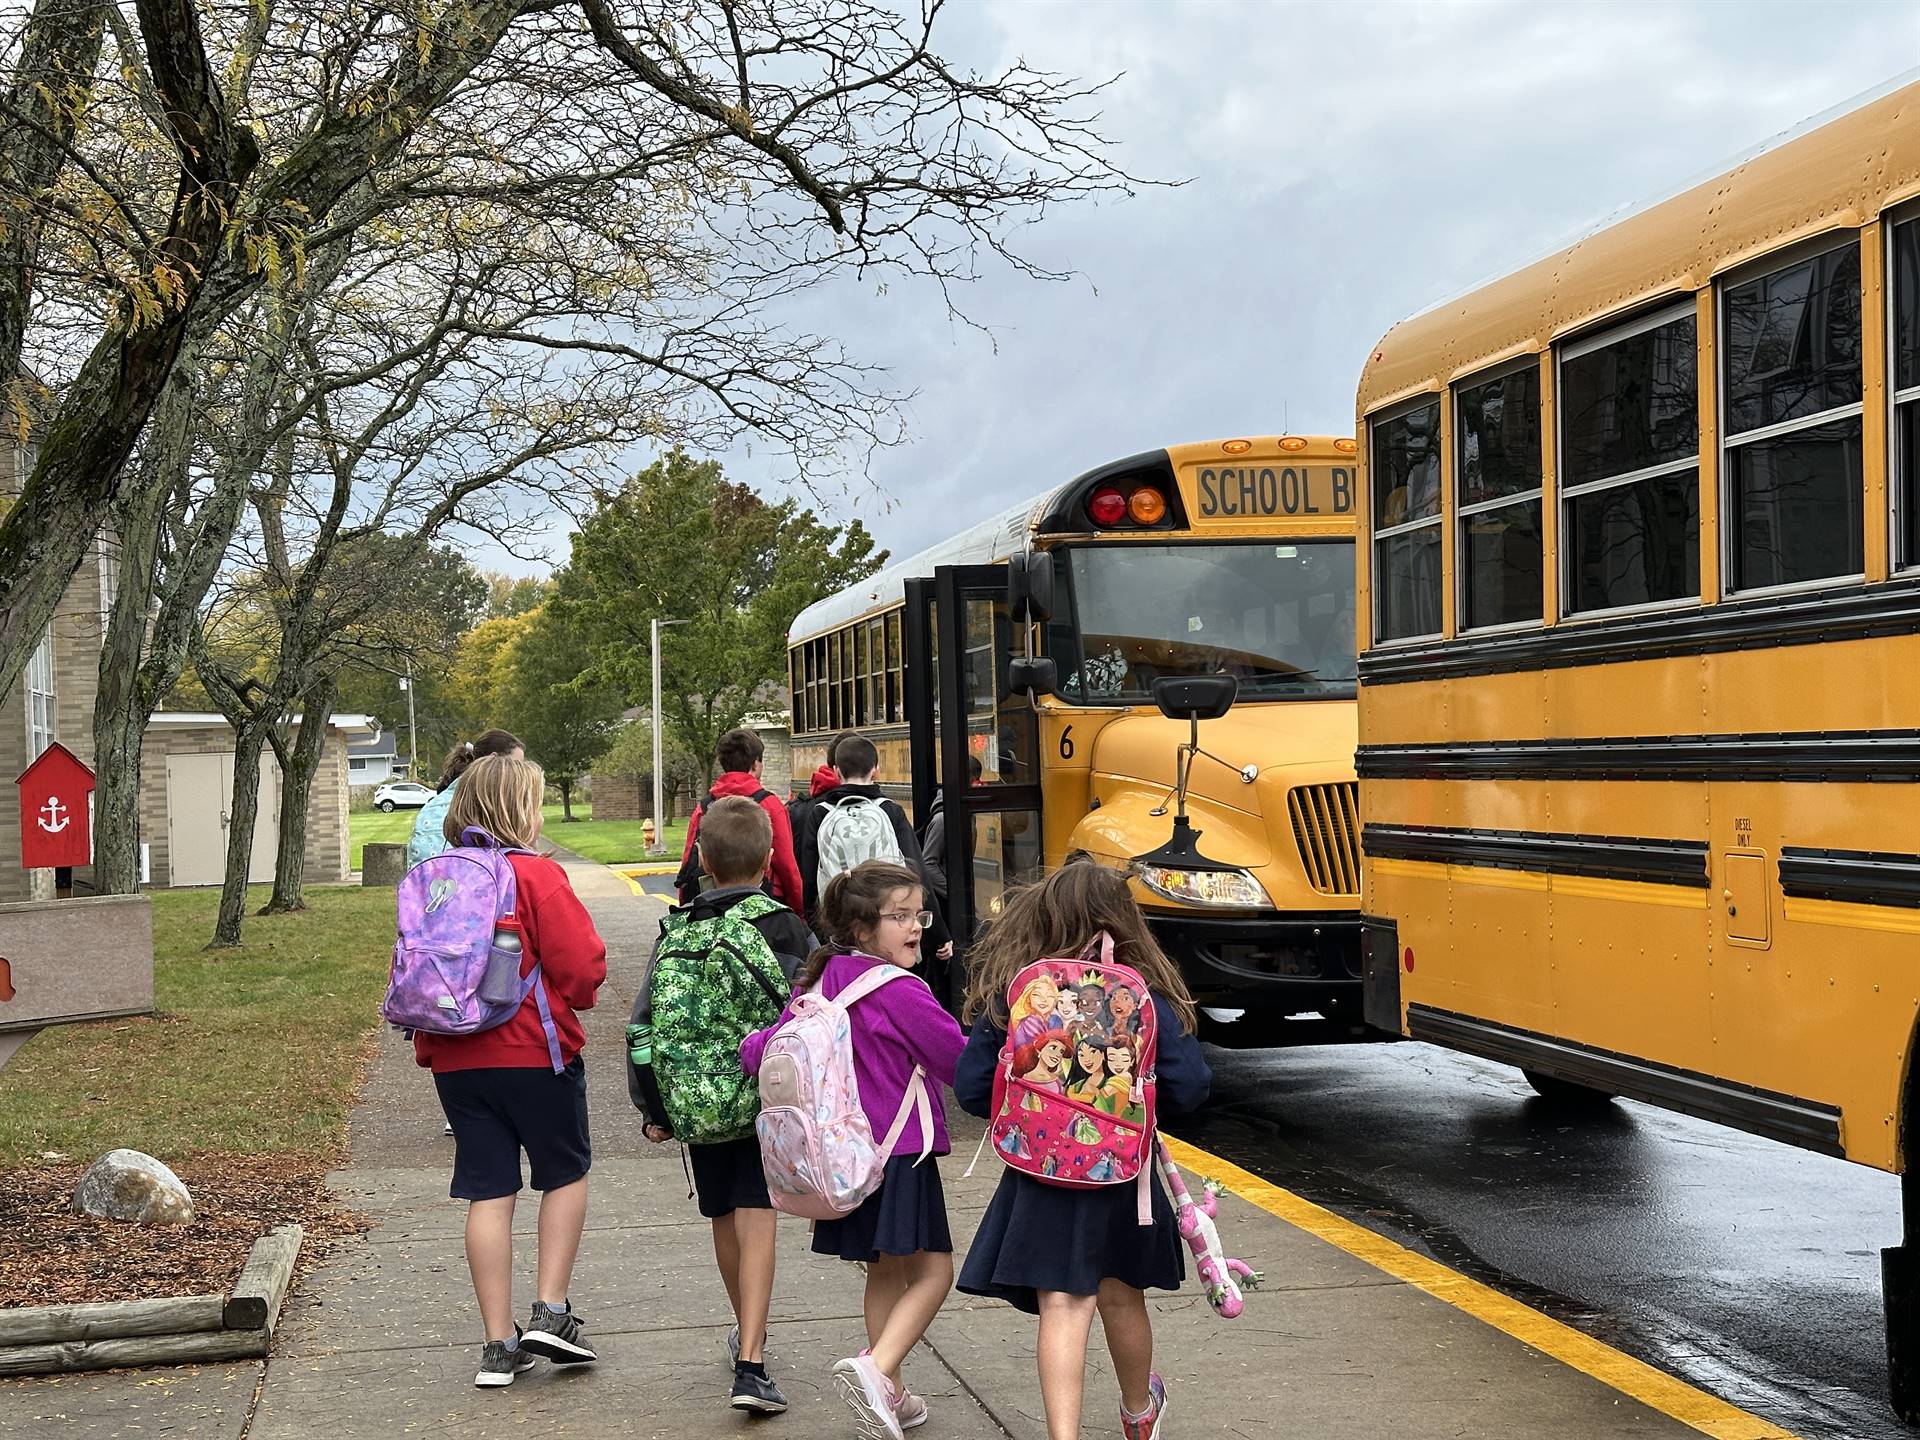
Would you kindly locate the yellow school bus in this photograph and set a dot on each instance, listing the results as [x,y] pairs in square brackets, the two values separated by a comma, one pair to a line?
[1640,690]
[1229,557]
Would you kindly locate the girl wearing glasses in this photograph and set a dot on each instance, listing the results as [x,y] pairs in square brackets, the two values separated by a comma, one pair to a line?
[872,915]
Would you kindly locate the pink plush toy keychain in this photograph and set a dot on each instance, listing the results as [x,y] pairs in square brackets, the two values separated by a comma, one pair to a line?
[1222,1277]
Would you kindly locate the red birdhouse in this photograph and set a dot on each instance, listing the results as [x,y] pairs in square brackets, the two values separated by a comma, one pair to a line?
[56,818]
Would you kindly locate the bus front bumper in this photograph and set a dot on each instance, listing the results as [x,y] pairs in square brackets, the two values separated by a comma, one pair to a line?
[1283,963]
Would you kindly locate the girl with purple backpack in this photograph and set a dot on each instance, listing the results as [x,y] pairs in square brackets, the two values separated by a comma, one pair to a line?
[1067,1254]
[872,916]
[505,1091]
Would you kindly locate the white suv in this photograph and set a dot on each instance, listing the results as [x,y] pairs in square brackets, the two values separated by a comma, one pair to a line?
[401,795]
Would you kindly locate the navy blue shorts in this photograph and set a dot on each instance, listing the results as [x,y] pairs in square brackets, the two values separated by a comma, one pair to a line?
[498,1112]
[729,1177]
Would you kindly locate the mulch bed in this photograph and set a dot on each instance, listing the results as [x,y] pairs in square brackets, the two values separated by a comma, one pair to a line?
[51,1256]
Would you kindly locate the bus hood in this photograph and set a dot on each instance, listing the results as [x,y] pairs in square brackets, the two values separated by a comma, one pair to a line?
[1315,736]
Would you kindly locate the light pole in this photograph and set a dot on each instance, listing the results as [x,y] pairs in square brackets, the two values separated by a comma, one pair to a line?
[659,783]
[413,730]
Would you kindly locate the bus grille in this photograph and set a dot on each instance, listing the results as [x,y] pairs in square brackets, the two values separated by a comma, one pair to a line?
[1326,828]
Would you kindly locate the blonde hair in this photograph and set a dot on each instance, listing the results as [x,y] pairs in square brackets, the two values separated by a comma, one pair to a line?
[1063,915]
[500,795]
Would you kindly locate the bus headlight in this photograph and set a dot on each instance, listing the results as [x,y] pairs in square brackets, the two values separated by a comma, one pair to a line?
[1235,889]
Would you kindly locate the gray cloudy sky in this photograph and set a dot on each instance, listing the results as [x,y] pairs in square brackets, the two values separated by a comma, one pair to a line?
[1350,163]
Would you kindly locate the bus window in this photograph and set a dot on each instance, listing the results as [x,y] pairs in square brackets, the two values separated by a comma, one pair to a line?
[1499,469]
[1302,594]
[1793,459]
[1906,383]
[1630,465]
[1405,477]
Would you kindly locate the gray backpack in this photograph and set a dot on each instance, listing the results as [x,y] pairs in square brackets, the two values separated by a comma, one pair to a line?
[853,830]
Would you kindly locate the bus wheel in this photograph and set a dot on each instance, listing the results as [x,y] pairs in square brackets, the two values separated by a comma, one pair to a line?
[1565,1094]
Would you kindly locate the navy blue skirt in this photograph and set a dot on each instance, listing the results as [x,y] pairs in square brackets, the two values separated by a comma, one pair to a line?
[1037,1237]
[906,1215]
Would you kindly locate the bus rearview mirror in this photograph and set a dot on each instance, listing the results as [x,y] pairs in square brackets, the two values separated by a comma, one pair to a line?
[1195,697]
[1033,676]
[1030,587]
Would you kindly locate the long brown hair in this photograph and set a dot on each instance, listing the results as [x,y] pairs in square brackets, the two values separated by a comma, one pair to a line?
[851,904]
[1064,915]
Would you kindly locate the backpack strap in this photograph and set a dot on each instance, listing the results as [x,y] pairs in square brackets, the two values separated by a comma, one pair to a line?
[914,1101]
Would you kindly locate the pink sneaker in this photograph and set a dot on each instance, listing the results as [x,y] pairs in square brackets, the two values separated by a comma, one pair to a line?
[867,1391]
[1147,1426]
[908,1408]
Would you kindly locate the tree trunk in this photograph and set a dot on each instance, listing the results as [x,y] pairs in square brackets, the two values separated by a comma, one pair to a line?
[118,735]
[296,783]
[566,799]
[250,739]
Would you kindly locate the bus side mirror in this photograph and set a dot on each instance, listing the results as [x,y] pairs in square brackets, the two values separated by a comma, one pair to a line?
[1030,588]
[1195,697]
[1033,677]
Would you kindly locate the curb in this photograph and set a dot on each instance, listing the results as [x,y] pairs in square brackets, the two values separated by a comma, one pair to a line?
[57,1339]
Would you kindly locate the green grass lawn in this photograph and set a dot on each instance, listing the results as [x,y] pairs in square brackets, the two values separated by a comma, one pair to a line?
[611,842]
[252,1049]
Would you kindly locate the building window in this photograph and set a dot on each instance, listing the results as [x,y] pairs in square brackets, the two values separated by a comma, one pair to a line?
[1630,464]
[1405,475]
[1497,461]
[39,689]
[1791,342]
[1906,391]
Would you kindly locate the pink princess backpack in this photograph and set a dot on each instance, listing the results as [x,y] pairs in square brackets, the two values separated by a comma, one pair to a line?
[816,1147]
[1073,1097]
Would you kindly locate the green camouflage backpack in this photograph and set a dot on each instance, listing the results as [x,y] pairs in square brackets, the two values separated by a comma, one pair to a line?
[714,982]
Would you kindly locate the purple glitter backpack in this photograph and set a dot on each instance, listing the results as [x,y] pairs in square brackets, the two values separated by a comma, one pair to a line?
[456,963]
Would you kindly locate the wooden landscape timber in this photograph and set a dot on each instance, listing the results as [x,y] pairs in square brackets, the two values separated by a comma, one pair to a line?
[176,1330]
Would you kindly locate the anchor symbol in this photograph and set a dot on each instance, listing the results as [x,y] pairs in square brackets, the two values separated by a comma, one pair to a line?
[53,816]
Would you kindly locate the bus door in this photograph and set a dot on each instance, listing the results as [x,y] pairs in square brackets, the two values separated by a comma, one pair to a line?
[961,638]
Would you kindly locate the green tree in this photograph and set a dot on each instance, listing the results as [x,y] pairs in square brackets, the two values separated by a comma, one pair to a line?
[564,714]
[681,542]
[510,595]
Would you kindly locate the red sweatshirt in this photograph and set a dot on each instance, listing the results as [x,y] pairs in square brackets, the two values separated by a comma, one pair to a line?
[558,935]
[784,869]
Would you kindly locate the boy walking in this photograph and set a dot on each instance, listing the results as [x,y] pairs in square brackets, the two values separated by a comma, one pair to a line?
[853,823]
[740,753]
[722,968]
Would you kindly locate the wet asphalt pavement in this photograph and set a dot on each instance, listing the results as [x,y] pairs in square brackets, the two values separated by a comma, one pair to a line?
[1749,1268]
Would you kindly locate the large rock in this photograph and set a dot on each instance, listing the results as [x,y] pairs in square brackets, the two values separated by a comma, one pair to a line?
[126,1185]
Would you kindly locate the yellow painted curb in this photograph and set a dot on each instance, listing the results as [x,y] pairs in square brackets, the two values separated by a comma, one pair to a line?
[1634,1378]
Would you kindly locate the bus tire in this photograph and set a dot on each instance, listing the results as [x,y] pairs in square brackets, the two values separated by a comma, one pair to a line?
[1566,1094]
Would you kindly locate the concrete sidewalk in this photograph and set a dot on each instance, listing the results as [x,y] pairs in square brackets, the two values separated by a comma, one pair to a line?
[383,1339]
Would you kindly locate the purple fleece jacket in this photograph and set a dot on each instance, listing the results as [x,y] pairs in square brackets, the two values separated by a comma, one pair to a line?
[898,1026]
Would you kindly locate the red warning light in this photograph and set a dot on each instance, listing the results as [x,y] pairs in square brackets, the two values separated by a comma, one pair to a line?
[1107,506]
[1407,959]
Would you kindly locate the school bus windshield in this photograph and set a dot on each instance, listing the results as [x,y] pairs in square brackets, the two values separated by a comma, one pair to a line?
[1279,618]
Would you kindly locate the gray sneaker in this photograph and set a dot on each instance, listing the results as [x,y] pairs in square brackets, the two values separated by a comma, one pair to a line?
[558,1335]
[756,1393]
[498,1364]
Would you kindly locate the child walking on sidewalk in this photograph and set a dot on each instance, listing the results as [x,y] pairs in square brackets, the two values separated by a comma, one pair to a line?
[1065,1254]
[873,915]
[501,1089]
[721,968]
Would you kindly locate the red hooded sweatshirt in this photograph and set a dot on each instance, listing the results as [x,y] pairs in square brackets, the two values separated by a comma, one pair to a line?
[784,869]
[824,779]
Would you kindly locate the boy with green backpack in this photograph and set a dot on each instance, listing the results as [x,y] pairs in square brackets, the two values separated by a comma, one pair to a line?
[721,969]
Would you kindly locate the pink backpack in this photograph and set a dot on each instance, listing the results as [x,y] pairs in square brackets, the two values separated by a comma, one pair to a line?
[816,1147]
[1073,1097]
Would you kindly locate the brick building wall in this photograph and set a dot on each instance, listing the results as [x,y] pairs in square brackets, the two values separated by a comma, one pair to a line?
[621,797]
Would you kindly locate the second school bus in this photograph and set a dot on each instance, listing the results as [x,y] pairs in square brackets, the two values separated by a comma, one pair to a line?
[1232,556]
